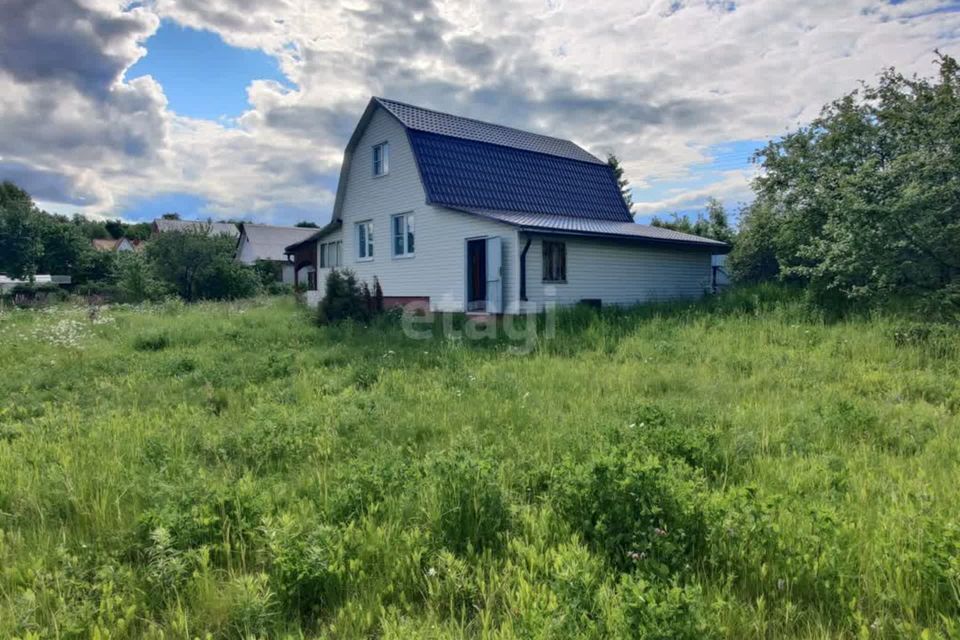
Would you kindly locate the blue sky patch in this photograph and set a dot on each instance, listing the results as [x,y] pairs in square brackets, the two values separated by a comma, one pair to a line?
[189,207]
[729,156]
[202,76]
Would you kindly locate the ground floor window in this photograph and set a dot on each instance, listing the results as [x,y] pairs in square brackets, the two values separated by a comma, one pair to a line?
[365,240]
[554,262]
[312,280]
[330,254]
[403,235]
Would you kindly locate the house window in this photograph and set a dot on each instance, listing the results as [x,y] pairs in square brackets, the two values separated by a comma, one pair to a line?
[330,254]
[403,235]
[381,159]
[554,262]
[312,280]
[365,240]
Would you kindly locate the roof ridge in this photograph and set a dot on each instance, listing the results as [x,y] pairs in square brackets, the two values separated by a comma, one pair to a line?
[381,100]
[279,226]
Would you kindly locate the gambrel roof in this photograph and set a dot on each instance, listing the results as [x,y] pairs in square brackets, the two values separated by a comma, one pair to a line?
[525,179]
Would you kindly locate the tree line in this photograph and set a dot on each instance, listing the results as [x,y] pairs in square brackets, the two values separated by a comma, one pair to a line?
[191,263]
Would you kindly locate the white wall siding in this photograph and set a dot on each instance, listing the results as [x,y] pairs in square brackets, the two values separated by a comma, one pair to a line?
[245,253]
[437,267]
[618,273]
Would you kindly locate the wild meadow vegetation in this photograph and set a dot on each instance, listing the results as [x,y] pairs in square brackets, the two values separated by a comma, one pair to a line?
[739,468]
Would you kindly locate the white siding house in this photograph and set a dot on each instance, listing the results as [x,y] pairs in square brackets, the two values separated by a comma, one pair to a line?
[268,242]
[455,190]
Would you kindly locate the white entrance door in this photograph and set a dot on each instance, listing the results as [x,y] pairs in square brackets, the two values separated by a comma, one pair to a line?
[494,275]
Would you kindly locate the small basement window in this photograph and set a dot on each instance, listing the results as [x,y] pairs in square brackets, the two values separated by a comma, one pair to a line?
[554,262]
[381,159]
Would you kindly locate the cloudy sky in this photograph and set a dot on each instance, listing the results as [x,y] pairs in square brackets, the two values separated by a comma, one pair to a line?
[241,108]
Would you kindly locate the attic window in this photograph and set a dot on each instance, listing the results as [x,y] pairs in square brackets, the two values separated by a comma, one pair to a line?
[381,159]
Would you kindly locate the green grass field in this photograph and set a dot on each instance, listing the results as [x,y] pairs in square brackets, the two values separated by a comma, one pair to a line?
[735,469]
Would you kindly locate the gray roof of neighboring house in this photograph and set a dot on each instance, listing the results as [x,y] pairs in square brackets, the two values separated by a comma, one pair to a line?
[270,242]
[214,228]
[331,226]
[602,228]
[445,124]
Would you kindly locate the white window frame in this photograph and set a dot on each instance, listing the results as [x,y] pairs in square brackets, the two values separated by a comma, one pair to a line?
[384,164]
[366,246]
[408,235]
[331,254]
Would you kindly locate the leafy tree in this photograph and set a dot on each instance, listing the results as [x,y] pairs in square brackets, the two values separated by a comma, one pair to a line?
[170,216]
[306,224]
[91,229]
[21,243]
[622,181]
[197,265]
[713,223]
[65,248]
[135,279]
[754,258]
[865,201]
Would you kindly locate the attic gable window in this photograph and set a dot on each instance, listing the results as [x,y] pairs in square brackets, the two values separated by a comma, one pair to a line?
[554,262]
[381,159]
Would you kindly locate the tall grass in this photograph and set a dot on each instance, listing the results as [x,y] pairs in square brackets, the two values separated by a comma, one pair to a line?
[737,468]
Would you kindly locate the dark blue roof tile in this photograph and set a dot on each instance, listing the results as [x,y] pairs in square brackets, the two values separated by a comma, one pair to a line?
[430,121]
[468,173]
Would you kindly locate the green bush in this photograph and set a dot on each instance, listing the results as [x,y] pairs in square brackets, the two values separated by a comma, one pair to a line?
[343,299]
[662,611]
[641,511]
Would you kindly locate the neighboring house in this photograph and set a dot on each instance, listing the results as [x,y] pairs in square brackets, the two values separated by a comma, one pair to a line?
[267,242]
[463,215]
[163,225]
[120,244]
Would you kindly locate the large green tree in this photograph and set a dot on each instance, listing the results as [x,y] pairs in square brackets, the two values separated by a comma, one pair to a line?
[864,203]
[199,265]
[21,243]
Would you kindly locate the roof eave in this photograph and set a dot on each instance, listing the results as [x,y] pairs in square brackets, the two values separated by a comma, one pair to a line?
[333,225]
[719,248]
